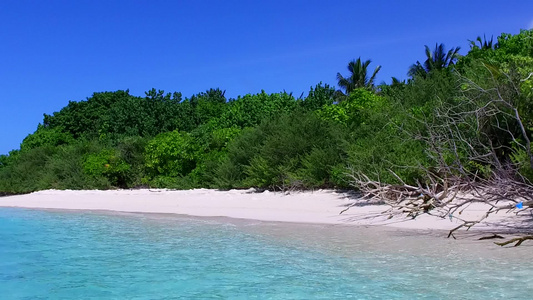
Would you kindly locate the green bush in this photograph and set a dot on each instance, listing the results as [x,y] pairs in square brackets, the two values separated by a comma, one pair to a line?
[108,164]
[171,154]
[49,167]
[131,151]
[46,137]
[22,174]
[5,161]
[376,156]
[318,97]
[521,160]
[296,149]
[250,110]
[353,111]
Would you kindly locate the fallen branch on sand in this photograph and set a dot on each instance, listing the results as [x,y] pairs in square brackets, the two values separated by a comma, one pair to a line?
[449,198]
[479,145]
[518,241]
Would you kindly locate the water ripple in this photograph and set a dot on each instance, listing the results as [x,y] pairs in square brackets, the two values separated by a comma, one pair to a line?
[70,255]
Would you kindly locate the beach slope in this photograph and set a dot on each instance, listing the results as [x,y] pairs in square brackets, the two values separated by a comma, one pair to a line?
[318,207]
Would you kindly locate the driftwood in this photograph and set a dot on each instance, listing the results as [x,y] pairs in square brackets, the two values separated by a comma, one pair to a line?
[473,142]
[450,187]
[446,198]
[491,237]
[518,240]
[468,141]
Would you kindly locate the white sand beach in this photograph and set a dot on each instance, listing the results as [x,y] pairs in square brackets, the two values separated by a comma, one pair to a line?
[318,207]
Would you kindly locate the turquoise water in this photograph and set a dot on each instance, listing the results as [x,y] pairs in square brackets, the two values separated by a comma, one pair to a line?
[95,255]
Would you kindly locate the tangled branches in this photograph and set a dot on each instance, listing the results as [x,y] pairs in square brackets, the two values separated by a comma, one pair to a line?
[447,198]
[480,148]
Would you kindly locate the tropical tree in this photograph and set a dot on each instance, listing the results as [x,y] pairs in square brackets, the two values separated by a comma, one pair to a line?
[437,60]
[484,44]
[358,76]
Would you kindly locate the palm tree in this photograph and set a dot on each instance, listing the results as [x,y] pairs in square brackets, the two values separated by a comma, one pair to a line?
[358,77]
[437,60]
[397,82]
[484,44]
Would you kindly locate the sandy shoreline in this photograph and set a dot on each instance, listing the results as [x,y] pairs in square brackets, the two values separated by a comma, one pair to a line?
[318,207]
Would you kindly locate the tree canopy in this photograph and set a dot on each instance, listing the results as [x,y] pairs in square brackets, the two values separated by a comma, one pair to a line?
[438,59]
[358,77]
[277,141]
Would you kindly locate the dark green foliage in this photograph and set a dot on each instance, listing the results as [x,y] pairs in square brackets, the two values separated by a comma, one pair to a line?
[135,116]
[421,95]
[22,173]
[131,151]
[498,80]
[207,106]
[318,97]
[484,44]
[230,172]
[87,118]
[379,143]
[117,114]
[523,163]
[64,169]
[114,139]
[353,111]
[49,167]
[437,60]
[250,110]
[324,167]
[213,145]
[107,164]
[519,44]
[4,161]
[294,150]
[358,76]
[379,155]
[172,154]
[46,137]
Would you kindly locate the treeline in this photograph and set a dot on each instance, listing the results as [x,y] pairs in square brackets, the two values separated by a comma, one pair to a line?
[278,141]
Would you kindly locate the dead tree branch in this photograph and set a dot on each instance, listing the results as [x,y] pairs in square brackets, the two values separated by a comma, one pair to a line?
[518,241]
[469,140]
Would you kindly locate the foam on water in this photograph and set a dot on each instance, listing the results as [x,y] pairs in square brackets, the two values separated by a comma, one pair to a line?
[95,255]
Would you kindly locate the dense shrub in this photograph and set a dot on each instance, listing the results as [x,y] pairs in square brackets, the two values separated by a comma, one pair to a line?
[293,150]
[108,164]
[250,110]
[50,167]
[385,152]
[356,109]
[318,97]
[171,154]
[114,139]
[46,137]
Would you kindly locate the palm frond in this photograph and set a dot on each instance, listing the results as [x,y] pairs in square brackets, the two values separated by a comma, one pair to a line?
[373,77]
[358,76]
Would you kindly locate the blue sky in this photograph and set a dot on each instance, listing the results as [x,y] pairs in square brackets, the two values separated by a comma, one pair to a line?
[55,51]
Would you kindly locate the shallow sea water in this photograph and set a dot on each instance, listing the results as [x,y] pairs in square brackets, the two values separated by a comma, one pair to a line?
[99,255]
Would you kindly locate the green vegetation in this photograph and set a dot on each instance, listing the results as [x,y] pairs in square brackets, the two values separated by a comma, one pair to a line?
[391,133]
[358,76]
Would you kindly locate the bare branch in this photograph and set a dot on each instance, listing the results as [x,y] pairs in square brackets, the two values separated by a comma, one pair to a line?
[518,241]
[469,142]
